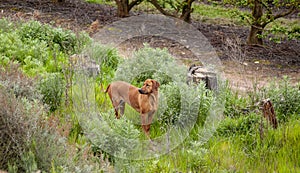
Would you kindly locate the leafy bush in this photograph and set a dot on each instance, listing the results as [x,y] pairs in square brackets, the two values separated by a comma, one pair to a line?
[110,137]
[13,47]
[178,101]
[151,63]
[66,40]
[107,58]
[238,126]
[285,98]
[172,96]
[52,88]
[39,48]
[234,103]
[19,123]
[284,95]
[14,80]
[31,143]
[6,26]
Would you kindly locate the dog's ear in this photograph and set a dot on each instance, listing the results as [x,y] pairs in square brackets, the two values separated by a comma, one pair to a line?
[155,85]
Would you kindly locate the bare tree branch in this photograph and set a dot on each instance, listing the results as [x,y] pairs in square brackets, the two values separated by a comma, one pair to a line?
[290,11]
[160,9]
[134,3]
[279,15]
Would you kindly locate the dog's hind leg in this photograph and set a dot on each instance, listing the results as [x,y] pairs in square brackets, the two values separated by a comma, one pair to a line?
[116,107]
[122,107]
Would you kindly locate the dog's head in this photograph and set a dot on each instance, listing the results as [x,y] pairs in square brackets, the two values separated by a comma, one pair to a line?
[149,86]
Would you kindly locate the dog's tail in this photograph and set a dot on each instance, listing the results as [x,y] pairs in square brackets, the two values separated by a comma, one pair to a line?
[107,88]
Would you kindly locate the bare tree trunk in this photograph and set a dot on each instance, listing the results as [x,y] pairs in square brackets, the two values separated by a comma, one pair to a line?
[187,10]
[254,35]
[256,28]
[123,8]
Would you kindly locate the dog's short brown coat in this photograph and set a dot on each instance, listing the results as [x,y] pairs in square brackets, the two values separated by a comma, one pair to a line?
[144,100]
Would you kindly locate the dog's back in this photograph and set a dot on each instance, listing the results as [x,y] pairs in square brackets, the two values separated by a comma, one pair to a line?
[121,91]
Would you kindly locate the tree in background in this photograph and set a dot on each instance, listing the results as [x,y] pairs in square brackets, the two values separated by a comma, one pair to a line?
[181,9]
[124,6]
[265,12]
[166,7]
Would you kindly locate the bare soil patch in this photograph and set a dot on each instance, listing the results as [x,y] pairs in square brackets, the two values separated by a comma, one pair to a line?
[259,64]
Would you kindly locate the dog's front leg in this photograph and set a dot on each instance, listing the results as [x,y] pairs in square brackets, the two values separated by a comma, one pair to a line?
[150,117]
[145,124]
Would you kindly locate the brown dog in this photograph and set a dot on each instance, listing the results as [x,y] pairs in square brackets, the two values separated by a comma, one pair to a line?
[144,100]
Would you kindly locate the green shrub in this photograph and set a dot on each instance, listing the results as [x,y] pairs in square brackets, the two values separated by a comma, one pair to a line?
[19,122]
[39,48]
[15,81]
[152,63]
[12,47]
[52,89]
[234,103]
[29,143]
[239,126]
[108,60]
[110,137]
[66,40]
[171,109]
[285,98]
[6,26]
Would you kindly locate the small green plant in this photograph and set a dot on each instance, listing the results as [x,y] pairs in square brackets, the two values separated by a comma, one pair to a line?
[6,26]
[52,88]
[113,138]
[239,126]
[108,60]
[234,103]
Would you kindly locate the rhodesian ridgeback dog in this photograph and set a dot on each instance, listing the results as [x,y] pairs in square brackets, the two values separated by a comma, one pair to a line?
[144,100]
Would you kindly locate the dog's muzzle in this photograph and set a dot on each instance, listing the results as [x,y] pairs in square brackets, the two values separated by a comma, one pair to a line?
[142,91]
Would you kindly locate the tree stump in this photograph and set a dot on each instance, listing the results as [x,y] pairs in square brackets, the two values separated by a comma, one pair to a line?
[200,73]
[269,113]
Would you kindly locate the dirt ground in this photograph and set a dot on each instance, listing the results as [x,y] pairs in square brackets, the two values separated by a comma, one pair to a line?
[242,67]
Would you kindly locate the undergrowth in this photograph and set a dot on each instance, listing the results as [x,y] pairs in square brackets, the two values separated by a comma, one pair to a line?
[40,132]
